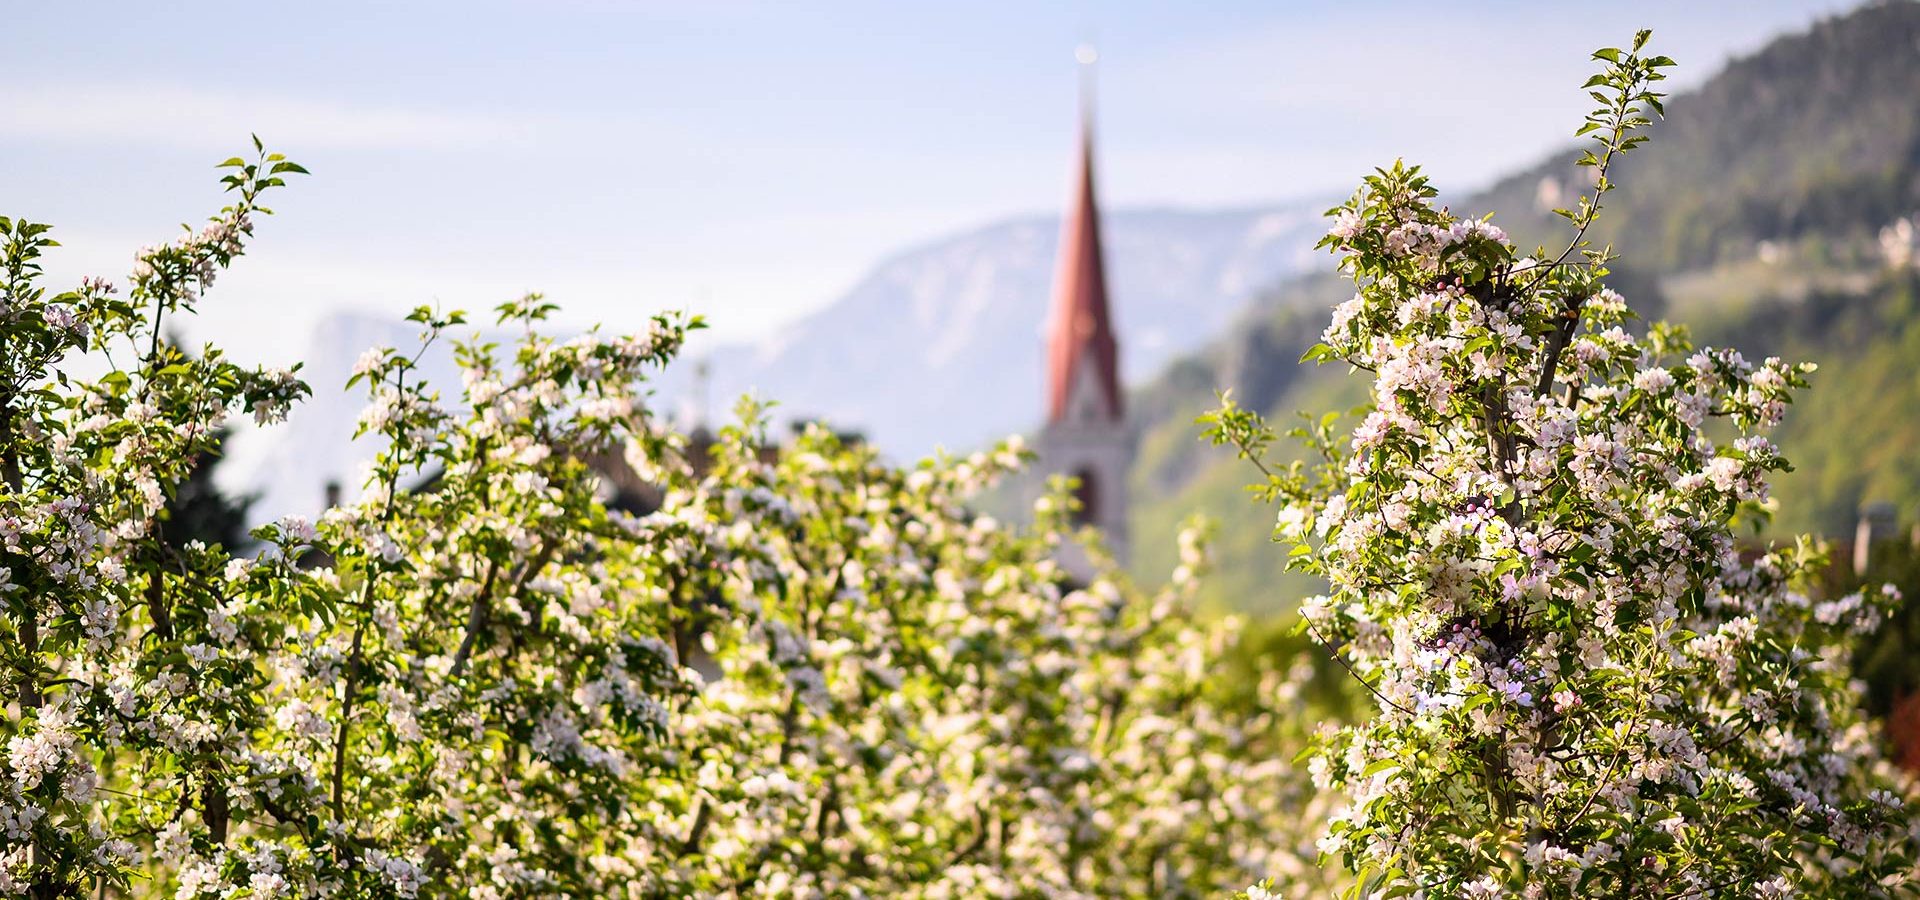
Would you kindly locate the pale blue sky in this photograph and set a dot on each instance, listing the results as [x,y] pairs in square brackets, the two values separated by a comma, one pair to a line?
[747,159]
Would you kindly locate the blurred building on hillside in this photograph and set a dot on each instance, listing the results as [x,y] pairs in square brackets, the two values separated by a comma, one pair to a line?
[1900,242]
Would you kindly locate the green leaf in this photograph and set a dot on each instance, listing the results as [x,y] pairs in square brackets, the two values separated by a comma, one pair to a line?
[1378,766]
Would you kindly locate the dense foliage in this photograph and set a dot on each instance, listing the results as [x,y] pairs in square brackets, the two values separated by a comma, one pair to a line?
[1583,686]
[803,672]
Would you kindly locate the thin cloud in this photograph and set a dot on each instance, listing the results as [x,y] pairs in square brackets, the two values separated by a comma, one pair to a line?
[199,118]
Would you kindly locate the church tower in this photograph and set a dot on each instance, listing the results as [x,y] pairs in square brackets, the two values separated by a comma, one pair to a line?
[1086,434]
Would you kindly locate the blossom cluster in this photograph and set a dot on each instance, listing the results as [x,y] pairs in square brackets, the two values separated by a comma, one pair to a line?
[556,649]
[1584,683]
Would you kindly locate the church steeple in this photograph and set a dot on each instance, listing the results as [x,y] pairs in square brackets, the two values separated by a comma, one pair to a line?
[1086,436]
[1080,342]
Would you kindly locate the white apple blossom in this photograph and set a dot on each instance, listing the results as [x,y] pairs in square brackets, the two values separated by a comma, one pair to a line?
[802,672]
[1583,685]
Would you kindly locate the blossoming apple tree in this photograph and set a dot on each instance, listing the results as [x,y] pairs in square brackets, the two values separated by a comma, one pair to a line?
[1584,685]
[803,673]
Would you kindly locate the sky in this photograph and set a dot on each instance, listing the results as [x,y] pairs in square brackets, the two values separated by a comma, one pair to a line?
[746,160]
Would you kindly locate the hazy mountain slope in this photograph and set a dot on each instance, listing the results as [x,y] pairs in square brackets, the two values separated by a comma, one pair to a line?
[938,346]
[941,345]
[1752,216]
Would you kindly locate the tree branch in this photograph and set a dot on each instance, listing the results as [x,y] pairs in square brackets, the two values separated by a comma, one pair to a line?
[482,608]
[702,814]
[476,618]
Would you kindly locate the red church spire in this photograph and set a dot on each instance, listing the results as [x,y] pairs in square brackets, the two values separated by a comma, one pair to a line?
[1080,340]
